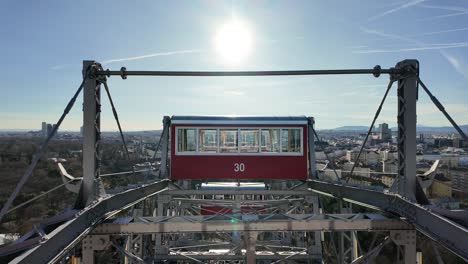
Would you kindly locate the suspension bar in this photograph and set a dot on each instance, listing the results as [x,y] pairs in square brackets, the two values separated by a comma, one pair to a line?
[376,71]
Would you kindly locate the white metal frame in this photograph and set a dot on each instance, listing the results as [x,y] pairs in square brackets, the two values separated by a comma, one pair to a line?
[240,122]
[238,153]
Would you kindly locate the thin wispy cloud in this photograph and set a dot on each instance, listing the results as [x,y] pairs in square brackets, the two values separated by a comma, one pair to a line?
[439,32]
[458,65]
[419,48]
[141,57]
[457,11]
[152,55]
[398,8]
[357,47]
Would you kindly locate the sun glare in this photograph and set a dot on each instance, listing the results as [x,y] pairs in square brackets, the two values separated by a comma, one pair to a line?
[233,41]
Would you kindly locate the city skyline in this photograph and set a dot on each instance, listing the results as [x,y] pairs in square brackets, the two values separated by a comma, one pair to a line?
[43,54]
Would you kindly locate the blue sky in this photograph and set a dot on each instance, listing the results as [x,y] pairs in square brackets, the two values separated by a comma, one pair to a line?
[44,42]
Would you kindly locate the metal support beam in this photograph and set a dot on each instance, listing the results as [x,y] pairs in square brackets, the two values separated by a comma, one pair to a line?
[405,183]
[250,245]
[240,192]
[347,244]
[162,201]
[316,249]
[66,236]
[165,147]
[91,244]
[406,239]
[278,223]
[91,137]
[310,134]
[376,71]
[134,247]
[267,257]
[448,233]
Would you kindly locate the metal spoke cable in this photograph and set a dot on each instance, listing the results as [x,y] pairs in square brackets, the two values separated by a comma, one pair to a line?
[126,253]
[326,155]
[41,151]
[116,117]
[158,146]
[370,172]
[377,113]
[124,172]
[442,109]
[39,196]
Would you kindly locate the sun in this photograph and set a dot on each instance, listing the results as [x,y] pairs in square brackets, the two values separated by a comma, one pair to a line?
[233,41]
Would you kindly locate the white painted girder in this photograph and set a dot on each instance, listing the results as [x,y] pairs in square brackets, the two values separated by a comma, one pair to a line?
[291,223]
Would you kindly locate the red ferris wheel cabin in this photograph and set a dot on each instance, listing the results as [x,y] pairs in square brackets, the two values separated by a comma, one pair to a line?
[224,147]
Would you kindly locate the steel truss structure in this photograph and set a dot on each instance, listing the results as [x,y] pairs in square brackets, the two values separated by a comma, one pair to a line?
[160,221]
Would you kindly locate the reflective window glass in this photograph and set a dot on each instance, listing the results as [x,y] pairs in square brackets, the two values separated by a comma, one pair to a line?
[186,140]
[270,140]
[291,140]
[228,141]
[249,140]
[208,140]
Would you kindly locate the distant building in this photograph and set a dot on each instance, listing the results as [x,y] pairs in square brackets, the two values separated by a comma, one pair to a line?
[390,166]
[329,174]
[368,156]
[358,171]
[450,160]
[47,129]
[440,187]
[460,183]
[44,129]
[443,142]
[446,202]
[351,156]
[458,143]
[388,155]
[384,132]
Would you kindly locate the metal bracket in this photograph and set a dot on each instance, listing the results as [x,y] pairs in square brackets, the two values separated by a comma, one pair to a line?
[407,239]
[93,243]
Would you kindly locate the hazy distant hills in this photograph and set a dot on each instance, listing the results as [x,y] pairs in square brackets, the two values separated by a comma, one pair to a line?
[421,129]
[351,128]
[443,129]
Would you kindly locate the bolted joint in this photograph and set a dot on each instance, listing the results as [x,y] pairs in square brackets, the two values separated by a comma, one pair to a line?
[92,70]
[167,121]
[405,69]
[123,73]
[377,71]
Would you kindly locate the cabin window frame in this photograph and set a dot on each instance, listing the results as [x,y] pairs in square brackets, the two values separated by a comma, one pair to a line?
[238,153]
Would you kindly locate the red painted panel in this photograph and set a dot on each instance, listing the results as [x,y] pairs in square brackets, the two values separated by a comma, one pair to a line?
[222,166]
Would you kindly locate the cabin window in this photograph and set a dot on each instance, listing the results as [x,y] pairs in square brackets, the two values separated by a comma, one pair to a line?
[228,141]
[208,140]
[270,140]
[291,140]
[187,140]
[249,140]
